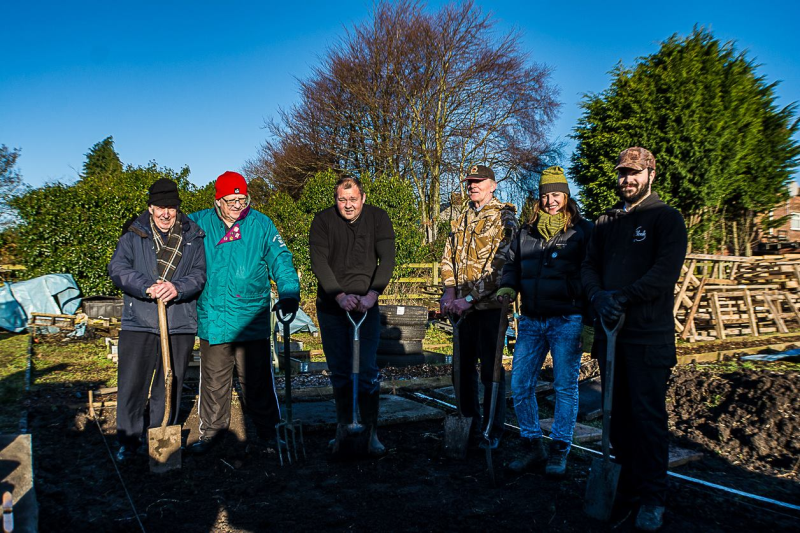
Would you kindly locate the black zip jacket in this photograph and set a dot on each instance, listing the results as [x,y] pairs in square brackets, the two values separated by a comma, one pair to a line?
[547,274]
[639,253]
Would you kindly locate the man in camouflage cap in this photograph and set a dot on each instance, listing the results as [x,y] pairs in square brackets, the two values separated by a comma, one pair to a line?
[632,263]
[472,264]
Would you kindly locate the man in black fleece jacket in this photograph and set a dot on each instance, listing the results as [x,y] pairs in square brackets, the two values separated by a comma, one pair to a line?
[352,256]
[632,263]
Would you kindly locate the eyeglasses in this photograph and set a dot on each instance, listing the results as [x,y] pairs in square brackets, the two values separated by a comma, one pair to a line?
[241,201]
[161,209]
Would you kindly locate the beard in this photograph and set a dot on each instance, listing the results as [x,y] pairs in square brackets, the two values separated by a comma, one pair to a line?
[635,195]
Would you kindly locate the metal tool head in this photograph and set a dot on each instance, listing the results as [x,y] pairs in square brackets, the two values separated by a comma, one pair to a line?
[601,488]
[351,442]
[456,435]
[287,435]
[489,463]
[164,447]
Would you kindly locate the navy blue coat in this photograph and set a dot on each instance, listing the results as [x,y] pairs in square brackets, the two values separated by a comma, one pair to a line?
[133,270]
[547,274]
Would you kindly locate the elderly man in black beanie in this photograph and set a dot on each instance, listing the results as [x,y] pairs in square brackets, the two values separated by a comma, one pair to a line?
[159,256]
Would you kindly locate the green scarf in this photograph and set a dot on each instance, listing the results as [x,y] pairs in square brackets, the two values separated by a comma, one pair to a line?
[550,225]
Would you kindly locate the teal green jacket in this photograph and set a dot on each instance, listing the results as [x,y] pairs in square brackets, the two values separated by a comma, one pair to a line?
[235,303]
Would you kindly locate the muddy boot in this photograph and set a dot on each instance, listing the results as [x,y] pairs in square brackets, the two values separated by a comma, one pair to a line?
[369,406]
[343,397]
[532,455]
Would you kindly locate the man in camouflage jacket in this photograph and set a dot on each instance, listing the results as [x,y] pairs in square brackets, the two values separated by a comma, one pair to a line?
[472,263]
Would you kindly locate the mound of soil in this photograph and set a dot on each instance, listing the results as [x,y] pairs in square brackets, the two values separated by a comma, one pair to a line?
[749,417]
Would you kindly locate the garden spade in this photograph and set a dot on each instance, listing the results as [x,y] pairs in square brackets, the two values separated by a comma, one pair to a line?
[496,377]
[601,487]
[352,439]
[289,427]
[456,427]
[164,443]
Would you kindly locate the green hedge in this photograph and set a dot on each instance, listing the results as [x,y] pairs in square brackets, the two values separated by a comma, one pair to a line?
[75,228]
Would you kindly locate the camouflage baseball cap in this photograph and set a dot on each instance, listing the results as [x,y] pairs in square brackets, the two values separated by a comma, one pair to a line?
[636,158]
[480,172]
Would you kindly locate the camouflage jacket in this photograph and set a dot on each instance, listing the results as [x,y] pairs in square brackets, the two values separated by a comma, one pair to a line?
[476,251]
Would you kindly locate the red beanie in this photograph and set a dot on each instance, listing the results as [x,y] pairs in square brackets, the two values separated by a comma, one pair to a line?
[230,183]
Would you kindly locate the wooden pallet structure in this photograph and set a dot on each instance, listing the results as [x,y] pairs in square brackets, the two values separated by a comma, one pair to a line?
[723,296]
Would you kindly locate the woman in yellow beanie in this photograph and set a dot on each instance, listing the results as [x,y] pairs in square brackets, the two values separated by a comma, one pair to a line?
[544,267]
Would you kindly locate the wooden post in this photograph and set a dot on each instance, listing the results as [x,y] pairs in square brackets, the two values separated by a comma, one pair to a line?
[685,285]
[716,313]
[689,325]
[751,313]
[792,306]
[435,268]
[775,309]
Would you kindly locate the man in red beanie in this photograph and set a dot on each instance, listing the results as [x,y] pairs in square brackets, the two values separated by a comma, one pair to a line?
[244,252]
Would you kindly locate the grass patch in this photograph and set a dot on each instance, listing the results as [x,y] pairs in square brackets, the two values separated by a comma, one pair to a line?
[13,359]
[435,336]
[72,364]
[735,365]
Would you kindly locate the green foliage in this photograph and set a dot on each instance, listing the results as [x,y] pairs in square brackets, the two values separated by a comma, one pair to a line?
[293,218]
[102,160]
[723,148]
[75,228]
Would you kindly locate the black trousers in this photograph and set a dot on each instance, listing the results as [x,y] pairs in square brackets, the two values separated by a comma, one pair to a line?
[253,366]
[139,358]
[337,342]
[478,334]
[639,432]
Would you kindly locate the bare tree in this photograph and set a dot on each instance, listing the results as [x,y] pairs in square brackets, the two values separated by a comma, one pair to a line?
[11,183]
[421,95]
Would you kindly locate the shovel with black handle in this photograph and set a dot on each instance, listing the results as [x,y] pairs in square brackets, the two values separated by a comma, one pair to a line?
[601,487]
[456,427]
[496,377]
[288,426]
[164,442]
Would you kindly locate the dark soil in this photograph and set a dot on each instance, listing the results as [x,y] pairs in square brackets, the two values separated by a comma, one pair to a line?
[744,421]
[750,418]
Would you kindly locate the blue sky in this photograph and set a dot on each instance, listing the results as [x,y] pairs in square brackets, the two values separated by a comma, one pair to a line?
[190,83]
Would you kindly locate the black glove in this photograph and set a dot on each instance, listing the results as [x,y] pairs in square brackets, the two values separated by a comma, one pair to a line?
[609,305]
[286,306]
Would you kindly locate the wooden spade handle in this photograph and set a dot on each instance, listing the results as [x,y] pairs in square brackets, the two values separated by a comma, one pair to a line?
[165,360]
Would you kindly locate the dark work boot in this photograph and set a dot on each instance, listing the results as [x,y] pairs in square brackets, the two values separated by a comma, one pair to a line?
[532,454]
[650,518]
[369,405]
[557,462]
[343,397]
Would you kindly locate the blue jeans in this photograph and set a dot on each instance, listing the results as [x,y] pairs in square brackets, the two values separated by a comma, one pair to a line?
[561,336]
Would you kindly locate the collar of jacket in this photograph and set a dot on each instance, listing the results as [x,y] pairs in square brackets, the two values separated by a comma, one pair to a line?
[648,203]
[141,226]
[491,208]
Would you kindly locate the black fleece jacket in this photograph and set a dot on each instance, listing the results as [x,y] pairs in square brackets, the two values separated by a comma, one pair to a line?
[351,258]
[547,274]
[638,253]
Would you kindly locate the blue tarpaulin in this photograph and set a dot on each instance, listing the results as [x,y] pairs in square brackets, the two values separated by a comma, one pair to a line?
[52,294]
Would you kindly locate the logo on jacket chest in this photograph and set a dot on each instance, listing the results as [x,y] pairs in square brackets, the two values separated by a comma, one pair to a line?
[639,234]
